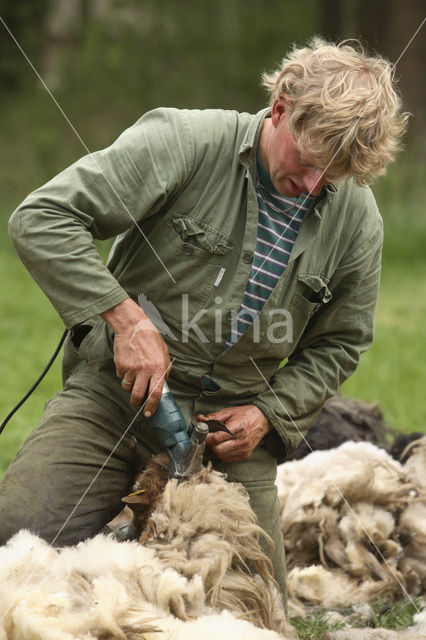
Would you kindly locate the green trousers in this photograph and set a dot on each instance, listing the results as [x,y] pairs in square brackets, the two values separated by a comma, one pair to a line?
[68,478]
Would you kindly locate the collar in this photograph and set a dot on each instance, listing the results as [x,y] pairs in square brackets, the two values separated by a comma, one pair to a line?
[247,152]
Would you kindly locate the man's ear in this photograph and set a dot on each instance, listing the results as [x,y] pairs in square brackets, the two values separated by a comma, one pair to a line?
[279,110]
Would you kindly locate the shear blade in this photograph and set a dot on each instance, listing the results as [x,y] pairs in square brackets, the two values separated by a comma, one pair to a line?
[217,425]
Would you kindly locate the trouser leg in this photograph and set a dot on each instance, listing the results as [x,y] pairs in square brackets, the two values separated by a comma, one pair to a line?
[68,479]
[258,474]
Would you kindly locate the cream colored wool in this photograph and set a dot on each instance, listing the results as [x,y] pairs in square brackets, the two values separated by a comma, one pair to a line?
[106,608]
[224,626]
[107,589]
[354,524]
[216,537]
[361,527]
[353,470]
[332,588]
[365,634]
[416,464]
[416,632]
[412,522]
[412,530]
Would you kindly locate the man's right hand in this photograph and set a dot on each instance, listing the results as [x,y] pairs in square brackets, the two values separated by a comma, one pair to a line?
[141,356]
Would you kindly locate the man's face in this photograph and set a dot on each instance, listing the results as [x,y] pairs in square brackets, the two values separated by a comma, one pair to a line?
[291,169]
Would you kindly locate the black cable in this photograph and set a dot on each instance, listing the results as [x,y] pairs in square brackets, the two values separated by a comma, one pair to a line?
[36,383]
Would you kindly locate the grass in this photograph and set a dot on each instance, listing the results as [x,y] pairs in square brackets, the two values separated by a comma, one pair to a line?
[384,615]
[29,332]
[392,373]
[315,625]
[395,615]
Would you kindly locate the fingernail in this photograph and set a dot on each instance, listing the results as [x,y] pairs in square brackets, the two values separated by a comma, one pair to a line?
[147,414]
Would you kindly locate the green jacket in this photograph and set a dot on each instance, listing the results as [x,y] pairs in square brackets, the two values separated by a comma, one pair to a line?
[178,189]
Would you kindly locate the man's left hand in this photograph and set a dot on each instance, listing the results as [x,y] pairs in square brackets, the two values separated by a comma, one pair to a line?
[248,426]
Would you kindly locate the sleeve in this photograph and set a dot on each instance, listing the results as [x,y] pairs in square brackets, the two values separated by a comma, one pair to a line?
[99,196]
[330,347]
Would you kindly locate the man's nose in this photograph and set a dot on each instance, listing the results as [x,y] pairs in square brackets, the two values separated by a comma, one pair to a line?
[314,180]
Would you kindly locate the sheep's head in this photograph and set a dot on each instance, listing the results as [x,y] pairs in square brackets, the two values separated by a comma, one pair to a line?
[147,491]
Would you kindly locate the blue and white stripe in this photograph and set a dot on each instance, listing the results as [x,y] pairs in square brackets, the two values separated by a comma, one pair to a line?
[278,225]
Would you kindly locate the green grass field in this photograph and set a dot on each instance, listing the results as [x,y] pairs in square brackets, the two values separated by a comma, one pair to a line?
[392,373]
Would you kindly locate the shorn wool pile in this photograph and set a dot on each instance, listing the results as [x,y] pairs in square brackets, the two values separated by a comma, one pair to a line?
[354,525]
[200,573]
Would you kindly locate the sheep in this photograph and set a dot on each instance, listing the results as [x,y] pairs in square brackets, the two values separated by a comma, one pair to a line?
[343,419]
[415,464]
[400,449]
[147,490]
[200,571]
[222,568]
[354,524]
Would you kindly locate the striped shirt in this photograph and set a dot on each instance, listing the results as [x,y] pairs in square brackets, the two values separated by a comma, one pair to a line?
[277,228]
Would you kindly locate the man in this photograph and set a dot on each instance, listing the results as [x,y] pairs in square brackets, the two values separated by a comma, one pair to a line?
[230,226]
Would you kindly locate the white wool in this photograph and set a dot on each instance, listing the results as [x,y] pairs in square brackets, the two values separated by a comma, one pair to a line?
[321,474]
[365,634]
[222,625]
[216,536]
[44,603]
[357,509]
[64,601]
[369,521]
[420,621]
[332,588]
[365,530]
[412,524]
[104,588]
[352,470]
[135,565]
[27,550]
[412,530]
[415,466]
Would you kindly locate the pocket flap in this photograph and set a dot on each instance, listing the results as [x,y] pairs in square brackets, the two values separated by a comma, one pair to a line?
[318,287]
[202,235]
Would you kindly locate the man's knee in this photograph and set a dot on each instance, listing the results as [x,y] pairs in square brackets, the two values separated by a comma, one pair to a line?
[61,522]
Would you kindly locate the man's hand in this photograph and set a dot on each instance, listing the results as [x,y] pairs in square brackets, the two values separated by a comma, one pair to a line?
[248,425]
[141,356]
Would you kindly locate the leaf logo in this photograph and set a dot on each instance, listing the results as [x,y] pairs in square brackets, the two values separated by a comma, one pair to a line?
[155,316]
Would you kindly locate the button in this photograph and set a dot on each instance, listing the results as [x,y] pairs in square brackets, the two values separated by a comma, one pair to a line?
[248,257]
[209,384]
[188,249]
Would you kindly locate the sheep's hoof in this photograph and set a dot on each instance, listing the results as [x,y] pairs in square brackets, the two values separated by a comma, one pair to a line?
[122,531]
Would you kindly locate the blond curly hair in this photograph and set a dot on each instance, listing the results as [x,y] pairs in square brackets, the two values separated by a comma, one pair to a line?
[342,107]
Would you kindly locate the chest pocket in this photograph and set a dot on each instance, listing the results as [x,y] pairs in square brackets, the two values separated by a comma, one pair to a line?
[194,253]
[314,288]
[199,235]
[311,294]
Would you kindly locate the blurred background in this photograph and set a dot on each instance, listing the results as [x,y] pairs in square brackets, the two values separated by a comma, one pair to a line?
[108,61]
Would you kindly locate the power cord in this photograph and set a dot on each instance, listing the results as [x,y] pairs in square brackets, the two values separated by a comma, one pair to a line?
[36,383]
